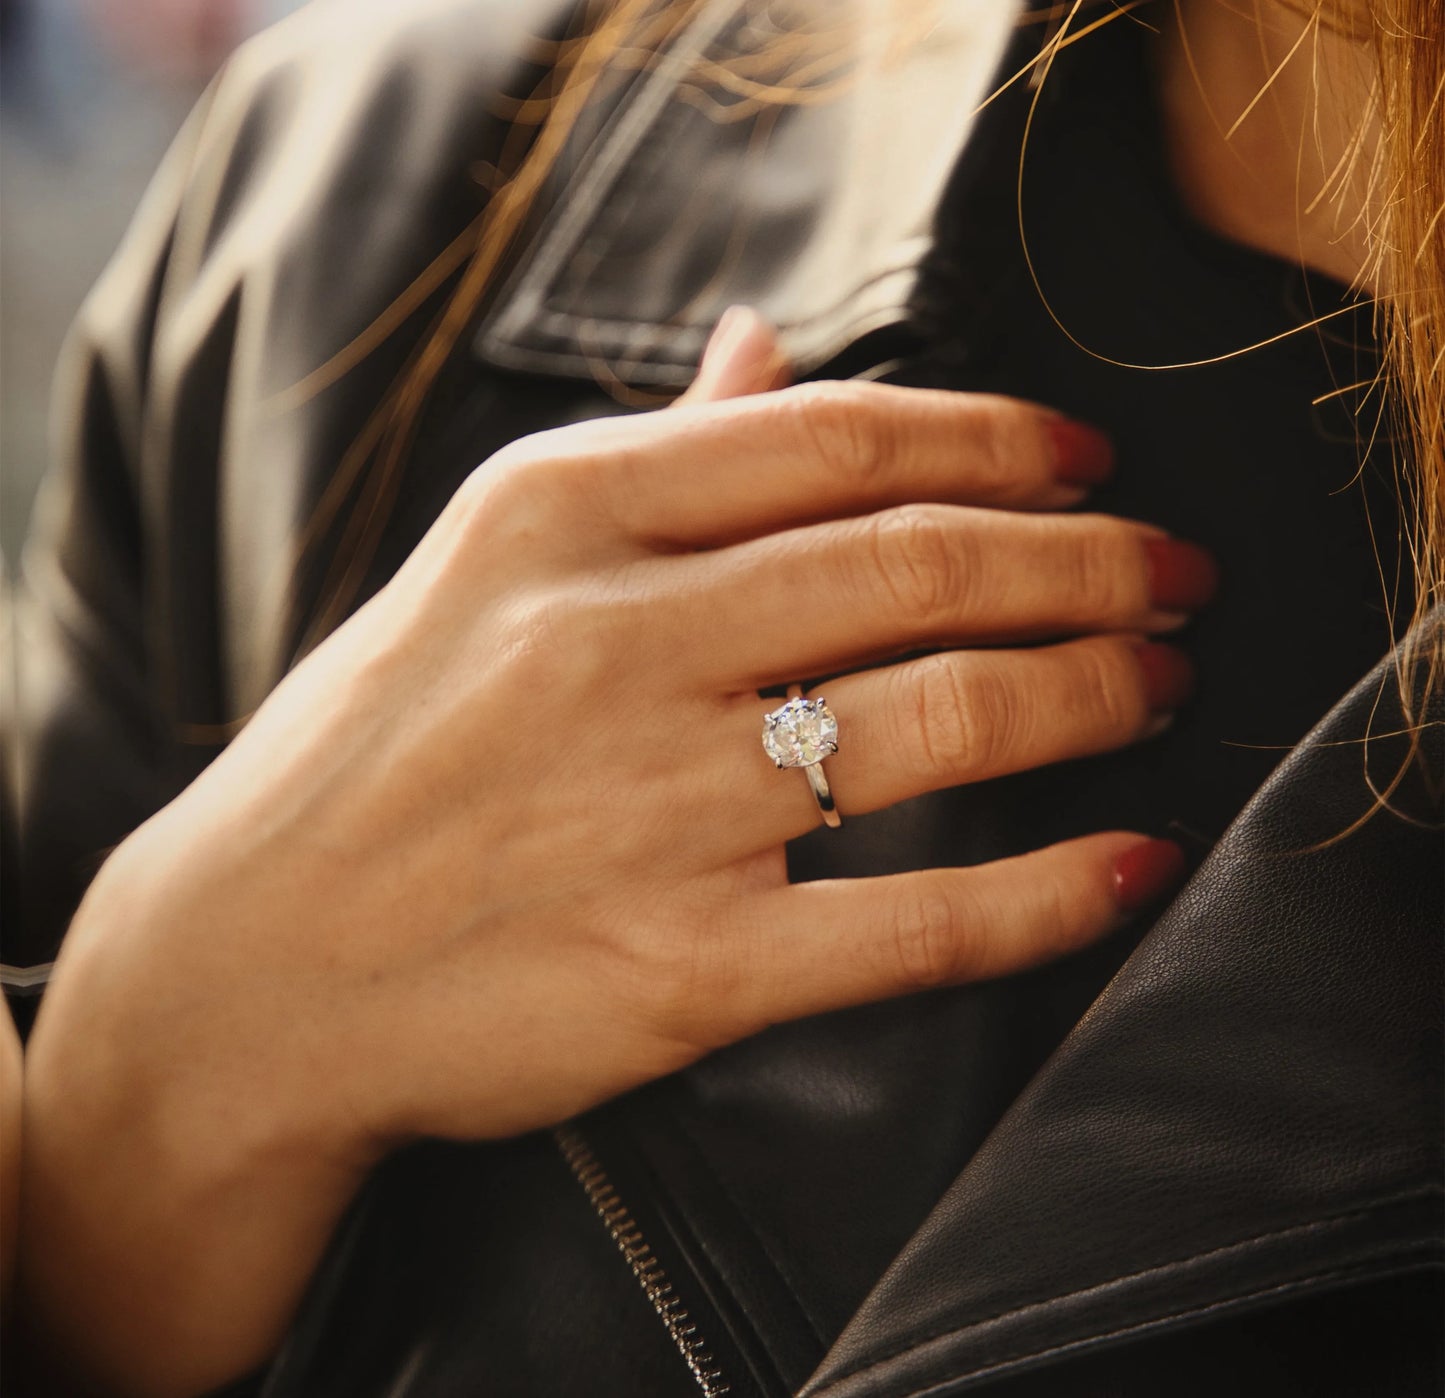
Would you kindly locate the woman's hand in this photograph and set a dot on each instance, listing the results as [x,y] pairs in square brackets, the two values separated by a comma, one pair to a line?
[507,843]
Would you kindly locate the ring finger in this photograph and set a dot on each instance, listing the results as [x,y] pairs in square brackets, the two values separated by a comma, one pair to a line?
[958,717]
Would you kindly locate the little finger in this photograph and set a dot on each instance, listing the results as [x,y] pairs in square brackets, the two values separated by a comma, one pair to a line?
[813,947]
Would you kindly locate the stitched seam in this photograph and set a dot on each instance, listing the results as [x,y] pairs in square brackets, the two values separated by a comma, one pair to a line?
[576,201]
[616,202]
[497,346]
[756,1233]
[1363,1269]
[919,1341]
[563,321]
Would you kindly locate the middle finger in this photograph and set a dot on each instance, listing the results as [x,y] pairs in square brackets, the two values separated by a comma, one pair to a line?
[832,595]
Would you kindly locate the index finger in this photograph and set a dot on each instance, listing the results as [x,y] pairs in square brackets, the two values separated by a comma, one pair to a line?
[726,471]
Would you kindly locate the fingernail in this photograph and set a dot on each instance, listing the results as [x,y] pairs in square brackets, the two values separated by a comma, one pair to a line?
[1083,455]
[1168,675]
[1182,576]
[1145,872]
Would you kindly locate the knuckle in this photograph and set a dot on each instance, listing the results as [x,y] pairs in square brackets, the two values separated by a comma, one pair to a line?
[691,979]
[971,729]
[929,935]
[941,716]
[559,482]
[597,475]
[842,425]
[1105,693]
[611,488]
[511,495]
[921,566]
[477,497]
[1097,583]
[997,443]
[669,972]
[1056,929]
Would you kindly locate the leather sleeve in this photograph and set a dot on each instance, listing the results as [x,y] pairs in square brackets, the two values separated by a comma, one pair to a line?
[331,162]
[85,735]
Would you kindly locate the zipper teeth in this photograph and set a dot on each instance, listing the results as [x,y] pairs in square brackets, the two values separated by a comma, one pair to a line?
[640,1258]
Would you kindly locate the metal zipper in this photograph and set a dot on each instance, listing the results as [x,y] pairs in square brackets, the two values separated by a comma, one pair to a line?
[640,1258]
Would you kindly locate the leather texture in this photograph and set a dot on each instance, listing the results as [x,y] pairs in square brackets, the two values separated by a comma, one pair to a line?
[838,214]
[1230,1169]
[1230,1172]
[1191,1140]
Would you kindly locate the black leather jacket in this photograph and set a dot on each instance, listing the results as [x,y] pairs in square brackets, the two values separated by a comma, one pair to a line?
[1229,1173]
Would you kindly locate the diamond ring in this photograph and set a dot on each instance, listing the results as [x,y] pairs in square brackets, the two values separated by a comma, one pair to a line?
[801,734]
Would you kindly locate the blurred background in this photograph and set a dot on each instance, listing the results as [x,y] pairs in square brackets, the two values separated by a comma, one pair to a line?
[91,93]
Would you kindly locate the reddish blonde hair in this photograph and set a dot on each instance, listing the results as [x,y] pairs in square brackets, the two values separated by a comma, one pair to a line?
[1406,240]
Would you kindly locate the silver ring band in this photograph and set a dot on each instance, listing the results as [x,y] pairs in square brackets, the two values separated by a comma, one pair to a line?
[823,794]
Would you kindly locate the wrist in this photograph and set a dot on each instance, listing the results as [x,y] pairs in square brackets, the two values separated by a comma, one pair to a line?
[175,1207]
[152,1023]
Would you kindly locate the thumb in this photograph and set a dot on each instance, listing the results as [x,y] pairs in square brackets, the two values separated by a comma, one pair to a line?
[742,357]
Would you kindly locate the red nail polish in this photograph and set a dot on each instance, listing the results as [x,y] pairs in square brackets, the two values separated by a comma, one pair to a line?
[1182,577]
[1146,872]
[1168,675]
[1083,456]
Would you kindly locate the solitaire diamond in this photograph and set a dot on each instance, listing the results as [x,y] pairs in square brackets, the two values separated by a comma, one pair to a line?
[800,733]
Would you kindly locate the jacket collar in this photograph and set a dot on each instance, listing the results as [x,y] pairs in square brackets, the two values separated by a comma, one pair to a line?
[1250,1112]
[666,208]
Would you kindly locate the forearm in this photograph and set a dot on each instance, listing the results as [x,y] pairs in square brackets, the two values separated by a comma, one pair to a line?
[172,1217]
